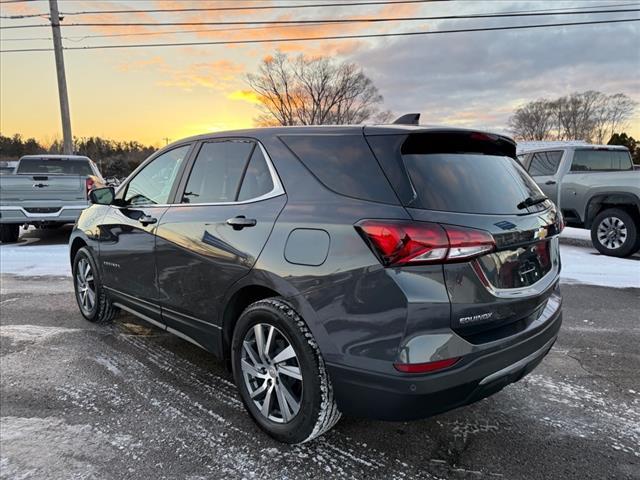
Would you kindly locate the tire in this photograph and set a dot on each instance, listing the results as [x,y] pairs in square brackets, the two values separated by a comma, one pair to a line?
[9,232]
[614,232]
[100,310]
[317,410]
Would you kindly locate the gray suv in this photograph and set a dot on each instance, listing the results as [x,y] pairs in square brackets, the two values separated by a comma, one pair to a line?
[388,272]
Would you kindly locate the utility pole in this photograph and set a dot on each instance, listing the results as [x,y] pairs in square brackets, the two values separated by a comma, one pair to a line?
[67,148]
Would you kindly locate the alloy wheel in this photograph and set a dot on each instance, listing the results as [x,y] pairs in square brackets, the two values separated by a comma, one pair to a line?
[85,286]
[612,232]
[272,373]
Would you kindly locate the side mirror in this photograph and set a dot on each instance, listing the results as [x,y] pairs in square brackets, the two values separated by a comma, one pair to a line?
[102,196]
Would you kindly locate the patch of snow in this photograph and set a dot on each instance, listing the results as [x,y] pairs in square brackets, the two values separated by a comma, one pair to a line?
[108,364]
[35,260]
[576,233]
[32,333]
[584,266]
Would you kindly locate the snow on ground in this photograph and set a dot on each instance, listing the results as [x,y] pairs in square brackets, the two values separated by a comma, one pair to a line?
[579,264]
[33,260]
[576,234]
[586,266]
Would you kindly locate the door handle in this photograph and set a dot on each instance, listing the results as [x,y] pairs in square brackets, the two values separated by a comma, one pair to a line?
[240,222]
[147,220]
[550,182]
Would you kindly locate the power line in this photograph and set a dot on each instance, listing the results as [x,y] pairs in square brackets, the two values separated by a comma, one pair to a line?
[271,7]
[227,9]
[335,37]
[169,32]
[212,30]
[332,20]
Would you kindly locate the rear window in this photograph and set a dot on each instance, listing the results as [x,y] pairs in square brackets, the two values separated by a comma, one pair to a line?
[344,164]
[457,177]
[601,160]
[54,166]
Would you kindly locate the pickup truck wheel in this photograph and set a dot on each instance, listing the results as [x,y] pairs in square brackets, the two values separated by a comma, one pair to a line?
[9,232]
[614,233]
[278,368]
[91,296]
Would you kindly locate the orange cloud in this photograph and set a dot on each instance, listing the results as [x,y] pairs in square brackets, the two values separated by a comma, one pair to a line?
[217,75]
[141,64]
[245,95]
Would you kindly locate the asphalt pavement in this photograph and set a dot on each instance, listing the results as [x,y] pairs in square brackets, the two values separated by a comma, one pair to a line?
[127,400]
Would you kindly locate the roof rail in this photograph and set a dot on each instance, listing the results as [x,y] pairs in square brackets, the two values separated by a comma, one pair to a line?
[407,119]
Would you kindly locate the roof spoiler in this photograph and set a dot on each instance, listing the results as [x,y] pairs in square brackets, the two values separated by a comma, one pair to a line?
[408,119]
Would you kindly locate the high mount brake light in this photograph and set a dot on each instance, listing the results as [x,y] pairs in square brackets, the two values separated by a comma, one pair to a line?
[400,242]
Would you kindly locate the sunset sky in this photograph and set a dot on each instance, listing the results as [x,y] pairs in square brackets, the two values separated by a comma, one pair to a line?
[147,94]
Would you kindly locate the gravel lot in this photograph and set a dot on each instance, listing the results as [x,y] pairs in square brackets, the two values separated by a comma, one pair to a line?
[129,401]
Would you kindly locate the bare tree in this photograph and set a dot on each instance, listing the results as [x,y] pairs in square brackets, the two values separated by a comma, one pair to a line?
[314,91]
[591,116]
[533,121]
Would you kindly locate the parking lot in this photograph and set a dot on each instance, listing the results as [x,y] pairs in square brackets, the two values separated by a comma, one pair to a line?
[129,401]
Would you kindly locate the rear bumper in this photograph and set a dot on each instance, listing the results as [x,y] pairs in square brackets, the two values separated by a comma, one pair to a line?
[408,397]
[20,215]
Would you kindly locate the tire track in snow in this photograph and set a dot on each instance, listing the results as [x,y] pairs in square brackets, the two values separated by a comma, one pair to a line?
[223,391]
[593,414]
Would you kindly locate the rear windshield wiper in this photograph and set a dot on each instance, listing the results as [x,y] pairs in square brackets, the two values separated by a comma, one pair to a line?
[530,201]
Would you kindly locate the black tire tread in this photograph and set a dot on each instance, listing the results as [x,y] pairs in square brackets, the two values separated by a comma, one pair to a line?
[106,311]
[9,232]
[329,413]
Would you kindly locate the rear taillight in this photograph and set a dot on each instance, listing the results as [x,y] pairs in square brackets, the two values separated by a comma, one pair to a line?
[399,242]
[427,367]
[90,183]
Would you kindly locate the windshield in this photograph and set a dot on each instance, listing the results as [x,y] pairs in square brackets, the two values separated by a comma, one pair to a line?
[469,183]
[51,166]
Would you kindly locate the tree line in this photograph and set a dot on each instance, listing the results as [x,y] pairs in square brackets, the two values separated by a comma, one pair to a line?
[591,116]
[115,158]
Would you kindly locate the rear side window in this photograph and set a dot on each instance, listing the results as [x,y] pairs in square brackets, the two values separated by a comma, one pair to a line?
[257,178]
[476,179]
[54,166]
[217,171]
[544,163]
[344,164]
[600,160]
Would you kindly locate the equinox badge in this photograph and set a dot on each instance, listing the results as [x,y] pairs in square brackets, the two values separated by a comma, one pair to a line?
[475,318]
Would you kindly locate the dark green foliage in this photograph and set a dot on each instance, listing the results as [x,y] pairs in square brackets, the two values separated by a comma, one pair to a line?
[628,141]
[115,159]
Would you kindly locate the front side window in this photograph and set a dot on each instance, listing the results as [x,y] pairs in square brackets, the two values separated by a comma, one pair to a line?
[544,163]
[152,185]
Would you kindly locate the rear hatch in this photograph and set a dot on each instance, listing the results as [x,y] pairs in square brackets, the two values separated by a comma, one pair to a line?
[471,182]
[39,181]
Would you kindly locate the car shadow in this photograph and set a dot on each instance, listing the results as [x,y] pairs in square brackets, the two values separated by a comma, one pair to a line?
[45,236]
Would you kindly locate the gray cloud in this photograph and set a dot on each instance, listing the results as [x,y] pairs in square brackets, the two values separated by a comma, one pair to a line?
[477,78]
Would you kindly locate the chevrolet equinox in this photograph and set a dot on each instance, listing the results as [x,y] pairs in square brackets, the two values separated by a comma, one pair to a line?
[387,272]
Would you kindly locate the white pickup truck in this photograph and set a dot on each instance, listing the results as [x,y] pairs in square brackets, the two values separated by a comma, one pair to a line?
[45,191]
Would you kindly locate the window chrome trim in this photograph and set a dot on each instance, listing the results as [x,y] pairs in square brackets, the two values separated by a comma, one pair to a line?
[276,191]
